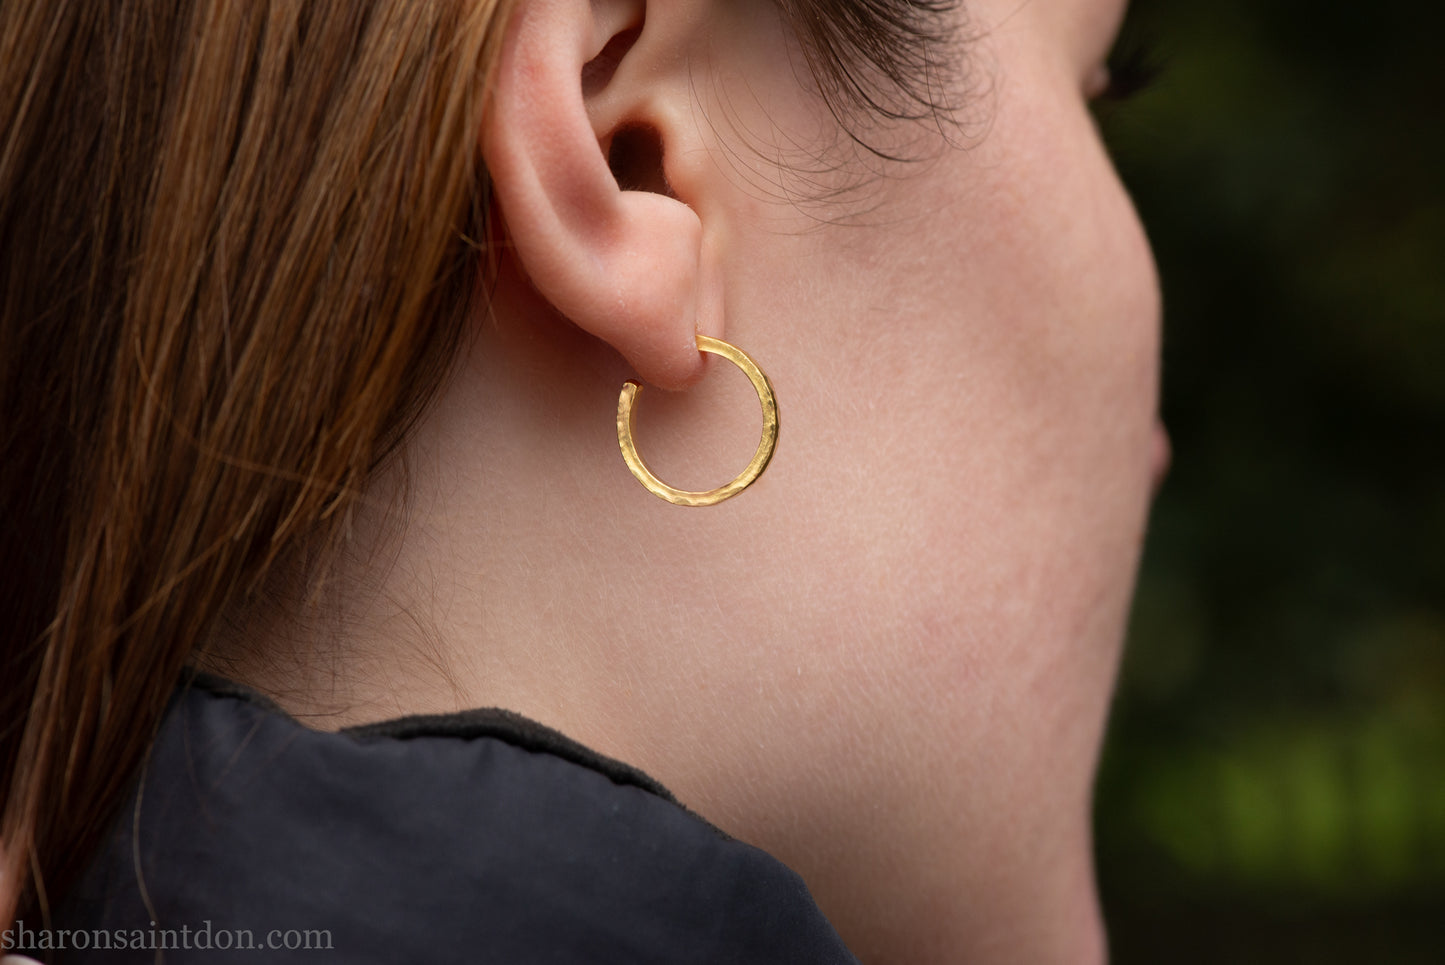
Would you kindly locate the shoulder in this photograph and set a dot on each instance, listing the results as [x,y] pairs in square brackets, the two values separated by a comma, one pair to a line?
[476,836]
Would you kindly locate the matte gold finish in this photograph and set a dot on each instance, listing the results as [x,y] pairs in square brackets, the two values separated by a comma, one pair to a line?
[766,445]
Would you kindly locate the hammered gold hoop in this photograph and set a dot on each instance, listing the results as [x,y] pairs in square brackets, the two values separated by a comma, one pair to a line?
[747,477]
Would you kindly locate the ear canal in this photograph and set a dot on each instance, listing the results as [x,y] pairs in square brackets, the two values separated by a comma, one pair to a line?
[635,159]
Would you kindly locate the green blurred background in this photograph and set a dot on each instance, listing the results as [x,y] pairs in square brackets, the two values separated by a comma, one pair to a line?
[1273,788]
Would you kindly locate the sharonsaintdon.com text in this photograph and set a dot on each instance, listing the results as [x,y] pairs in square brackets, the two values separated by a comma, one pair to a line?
[20,938]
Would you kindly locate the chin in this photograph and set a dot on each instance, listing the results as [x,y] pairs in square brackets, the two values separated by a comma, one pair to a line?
[1091,943]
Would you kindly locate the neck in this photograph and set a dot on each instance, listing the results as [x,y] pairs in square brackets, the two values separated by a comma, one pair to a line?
[508,559]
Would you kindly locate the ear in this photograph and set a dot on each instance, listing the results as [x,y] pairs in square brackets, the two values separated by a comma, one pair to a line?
[591,100]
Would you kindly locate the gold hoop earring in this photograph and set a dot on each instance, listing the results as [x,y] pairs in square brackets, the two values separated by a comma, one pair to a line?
[747,477]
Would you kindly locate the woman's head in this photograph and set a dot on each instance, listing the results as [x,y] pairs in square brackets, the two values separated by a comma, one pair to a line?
[888,662]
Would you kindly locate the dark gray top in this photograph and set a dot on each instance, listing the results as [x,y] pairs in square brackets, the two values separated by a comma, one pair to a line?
[475,837]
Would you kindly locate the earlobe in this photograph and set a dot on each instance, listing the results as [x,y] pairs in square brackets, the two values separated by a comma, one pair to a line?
[631,267]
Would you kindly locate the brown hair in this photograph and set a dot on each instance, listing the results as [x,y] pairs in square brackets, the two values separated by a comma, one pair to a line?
[238,243]
[235,266]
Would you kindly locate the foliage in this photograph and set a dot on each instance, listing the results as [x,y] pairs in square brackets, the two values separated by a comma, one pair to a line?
[1274,783]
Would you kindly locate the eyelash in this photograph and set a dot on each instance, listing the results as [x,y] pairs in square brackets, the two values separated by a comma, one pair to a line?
[1134,67]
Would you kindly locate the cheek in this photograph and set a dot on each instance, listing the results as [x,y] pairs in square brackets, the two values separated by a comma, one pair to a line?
[966,368]
[1063,292]
[999,343]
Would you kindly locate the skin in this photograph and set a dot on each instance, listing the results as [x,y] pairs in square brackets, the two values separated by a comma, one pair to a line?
[890,661]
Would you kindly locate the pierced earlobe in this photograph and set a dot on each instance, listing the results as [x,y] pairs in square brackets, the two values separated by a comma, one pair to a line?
[766,445]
